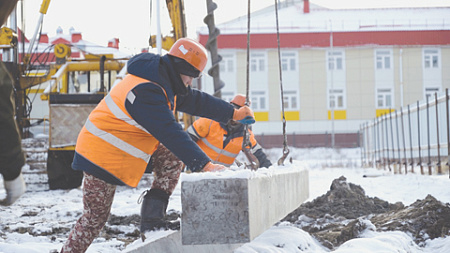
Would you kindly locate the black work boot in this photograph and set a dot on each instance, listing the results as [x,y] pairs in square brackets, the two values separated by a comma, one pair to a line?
[153,211]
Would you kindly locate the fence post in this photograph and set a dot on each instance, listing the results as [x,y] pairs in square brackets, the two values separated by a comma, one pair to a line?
[448,130]
[428,137]
[387,144]
[378,141]
[418,134]
[398,145]
[437,134]
[410,140]
[362,143]
[404,142]
[393,142]
[382,142]
[374,143]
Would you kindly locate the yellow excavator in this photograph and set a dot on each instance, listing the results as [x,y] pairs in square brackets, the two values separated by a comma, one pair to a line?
[178,19]
[68,108]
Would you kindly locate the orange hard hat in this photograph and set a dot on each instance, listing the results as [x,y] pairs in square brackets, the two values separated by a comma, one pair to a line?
[191,51]
[239,100]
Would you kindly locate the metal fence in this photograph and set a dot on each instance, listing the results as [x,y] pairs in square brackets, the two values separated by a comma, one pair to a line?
[412,139]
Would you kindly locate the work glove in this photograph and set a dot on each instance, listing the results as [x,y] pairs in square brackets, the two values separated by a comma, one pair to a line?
[212,167]
[244,115]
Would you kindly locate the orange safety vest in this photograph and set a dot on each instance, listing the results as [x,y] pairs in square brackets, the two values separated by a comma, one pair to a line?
[112,140]
[211,140]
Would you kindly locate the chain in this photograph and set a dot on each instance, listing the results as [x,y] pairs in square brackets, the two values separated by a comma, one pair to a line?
[285,145]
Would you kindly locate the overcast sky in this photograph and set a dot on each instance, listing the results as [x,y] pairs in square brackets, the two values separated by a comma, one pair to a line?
[132,22]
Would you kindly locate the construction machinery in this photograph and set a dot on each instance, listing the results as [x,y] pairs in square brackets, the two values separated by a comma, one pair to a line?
[178,19]
[74,88]
[69,90]
[70,93]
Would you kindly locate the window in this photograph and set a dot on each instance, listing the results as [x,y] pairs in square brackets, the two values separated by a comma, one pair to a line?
[383,58]
[227,95]
[258,99]
[290,100]
[429,92]
[336,99]
[288,61]
[257,62]
[227,63]
[431,58]
[384,98]
[335,60]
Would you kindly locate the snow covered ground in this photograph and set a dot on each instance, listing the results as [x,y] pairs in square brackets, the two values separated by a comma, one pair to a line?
[41,219]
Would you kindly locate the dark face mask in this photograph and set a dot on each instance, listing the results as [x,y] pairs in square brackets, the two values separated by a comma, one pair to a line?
[183,67]
[174,78]
[180,66]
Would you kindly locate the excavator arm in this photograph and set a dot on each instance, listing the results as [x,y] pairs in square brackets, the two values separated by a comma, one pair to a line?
[178,19]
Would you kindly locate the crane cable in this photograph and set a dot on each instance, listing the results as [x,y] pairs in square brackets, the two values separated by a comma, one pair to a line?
[285,145]
[248,56]
[246,144]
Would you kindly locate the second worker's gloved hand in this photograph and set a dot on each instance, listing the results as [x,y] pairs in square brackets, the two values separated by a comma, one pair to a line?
[212,167]
[244,115]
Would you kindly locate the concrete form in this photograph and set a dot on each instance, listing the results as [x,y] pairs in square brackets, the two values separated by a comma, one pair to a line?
[236,210]
[222,211]
[172,244]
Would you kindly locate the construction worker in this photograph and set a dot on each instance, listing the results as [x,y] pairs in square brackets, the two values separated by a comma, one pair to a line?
[135,125]
[222,142]
[12,157]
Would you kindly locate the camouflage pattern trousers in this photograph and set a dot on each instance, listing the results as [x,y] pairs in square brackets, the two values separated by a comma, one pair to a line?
[98,196]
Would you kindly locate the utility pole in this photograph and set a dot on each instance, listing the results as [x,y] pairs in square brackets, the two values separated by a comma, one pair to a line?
[331,91]
[401,76]
[158,28]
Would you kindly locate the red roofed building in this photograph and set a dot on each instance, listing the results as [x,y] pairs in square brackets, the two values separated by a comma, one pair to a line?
[340,68]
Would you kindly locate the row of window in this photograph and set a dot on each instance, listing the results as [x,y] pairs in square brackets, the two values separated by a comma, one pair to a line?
[335,60]
[336,98]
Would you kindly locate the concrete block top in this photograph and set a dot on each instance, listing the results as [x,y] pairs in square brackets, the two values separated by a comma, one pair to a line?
[241,172]
[236,205]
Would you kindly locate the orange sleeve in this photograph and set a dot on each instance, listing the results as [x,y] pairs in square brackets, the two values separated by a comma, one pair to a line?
[202,126]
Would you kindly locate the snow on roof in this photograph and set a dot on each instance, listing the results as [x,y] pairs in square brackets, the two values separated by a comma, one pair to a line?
[89,47]
[292,19]
[82,46]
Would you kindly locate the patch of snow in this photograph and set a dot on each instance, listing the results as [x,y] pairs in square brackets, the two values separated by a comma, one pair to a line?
[40,211]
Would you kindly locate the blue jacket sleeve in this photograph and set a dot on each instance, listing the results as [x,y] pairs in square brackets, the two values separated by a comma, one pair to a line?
[202,104]
[151,111]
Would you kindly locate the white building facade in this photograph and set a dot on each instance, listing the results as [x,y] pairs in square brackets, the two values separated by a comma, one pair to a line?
[339,67]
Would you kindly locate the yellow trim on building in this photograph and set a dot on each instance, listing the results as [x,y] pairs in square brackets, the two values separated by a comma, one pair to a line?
[380,112]
[291,115]
[262,116]
[338,114]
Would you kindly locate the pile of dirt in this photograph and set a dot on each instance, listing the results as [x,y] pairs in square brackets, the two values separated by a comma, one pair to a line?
[424,219]
[344,212]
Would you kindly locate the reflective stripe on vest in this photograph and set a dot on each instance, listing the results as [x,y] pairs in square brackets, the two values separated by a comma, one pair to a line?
[116,142]
[211,136]
[219,150]
[113,140]
[120,114]
[211,140]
